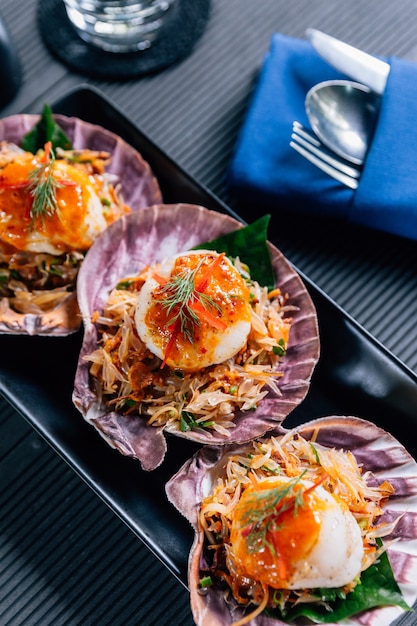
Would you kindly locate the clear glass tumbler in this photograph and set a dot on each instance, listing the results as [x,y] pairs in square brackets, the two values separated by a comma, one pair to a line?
[120,25]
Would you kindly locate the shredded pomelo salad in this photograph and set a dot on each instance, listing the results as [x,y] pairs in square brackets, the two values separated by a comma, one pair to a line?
[132,380]
[38,267]
[293,457]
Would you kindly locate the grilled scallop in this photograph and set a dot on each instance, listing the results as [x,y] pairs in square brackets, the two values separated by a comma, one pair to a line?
[141,245]
[52,208]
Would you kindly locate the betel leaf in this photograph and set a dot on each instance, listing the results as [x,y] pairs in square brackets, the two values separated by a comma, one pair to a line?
[45,130]
[377,588]
[250,245]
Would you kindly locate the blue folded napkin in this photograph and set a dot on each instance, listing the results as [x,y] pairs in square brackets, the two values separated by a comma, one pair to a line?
[266,171]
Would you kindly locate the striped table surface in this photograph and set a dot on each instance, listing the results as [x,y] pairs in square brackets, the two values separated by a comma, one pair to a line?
[66,559]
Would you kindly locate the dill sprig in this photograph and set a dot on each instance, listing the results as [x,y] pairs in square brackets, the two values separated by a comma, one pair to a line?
[180,296]
[263,509]
[43,187]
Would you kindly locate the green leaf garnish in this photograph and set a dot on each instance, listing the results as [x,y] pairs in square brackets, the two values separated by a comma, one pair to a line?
[250,245]
[377,588]
[45,130]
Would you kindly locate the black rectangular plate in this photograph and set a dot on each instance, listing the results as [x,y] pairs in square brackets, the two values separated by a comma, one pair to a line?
[355,376]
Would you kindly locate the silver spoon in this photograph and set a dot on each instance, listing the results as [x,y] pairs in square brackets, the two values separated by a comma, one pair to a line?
[343,115]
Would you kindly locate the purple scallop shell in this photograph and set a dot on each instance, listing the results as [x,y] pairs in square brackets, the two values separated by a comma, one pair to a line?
[146,238]
[376,451]
[139,188]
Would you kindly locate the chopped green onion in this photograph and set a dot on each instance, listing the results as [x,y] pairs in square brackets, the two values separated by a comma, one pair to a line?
[316,454]
[187,422]
[279,349]
[129,402]
[53,269]
[185,425]
[206,581]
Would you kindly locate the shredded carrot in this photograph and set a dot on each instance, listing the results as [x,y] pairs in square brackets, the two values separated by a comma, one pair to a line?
[208,317]
[8,185]
[65,182]
[47,155]
[316,484]
[204,281]
[171,342]
[159,279]
[274,293]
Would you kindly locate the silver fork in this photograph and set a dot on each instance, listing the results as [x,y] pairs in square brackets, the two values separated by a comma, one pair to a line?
[307,144]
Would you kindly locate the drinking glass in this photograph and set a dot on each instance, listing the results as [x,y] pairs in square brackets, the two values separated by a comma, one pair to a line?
[120,25]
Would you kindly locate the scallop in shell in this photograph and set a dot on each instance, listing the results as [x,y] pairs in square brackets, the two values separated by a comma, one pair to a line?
[377,453]
[148,237]
[139,189]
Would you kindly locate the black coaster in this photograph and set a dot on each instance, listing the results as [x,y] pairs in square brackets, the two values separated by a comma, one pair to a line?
[181,34]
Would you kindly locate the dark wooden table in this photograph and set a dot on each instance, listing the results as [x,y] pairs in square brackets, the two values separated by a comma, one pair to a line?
[65,557]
